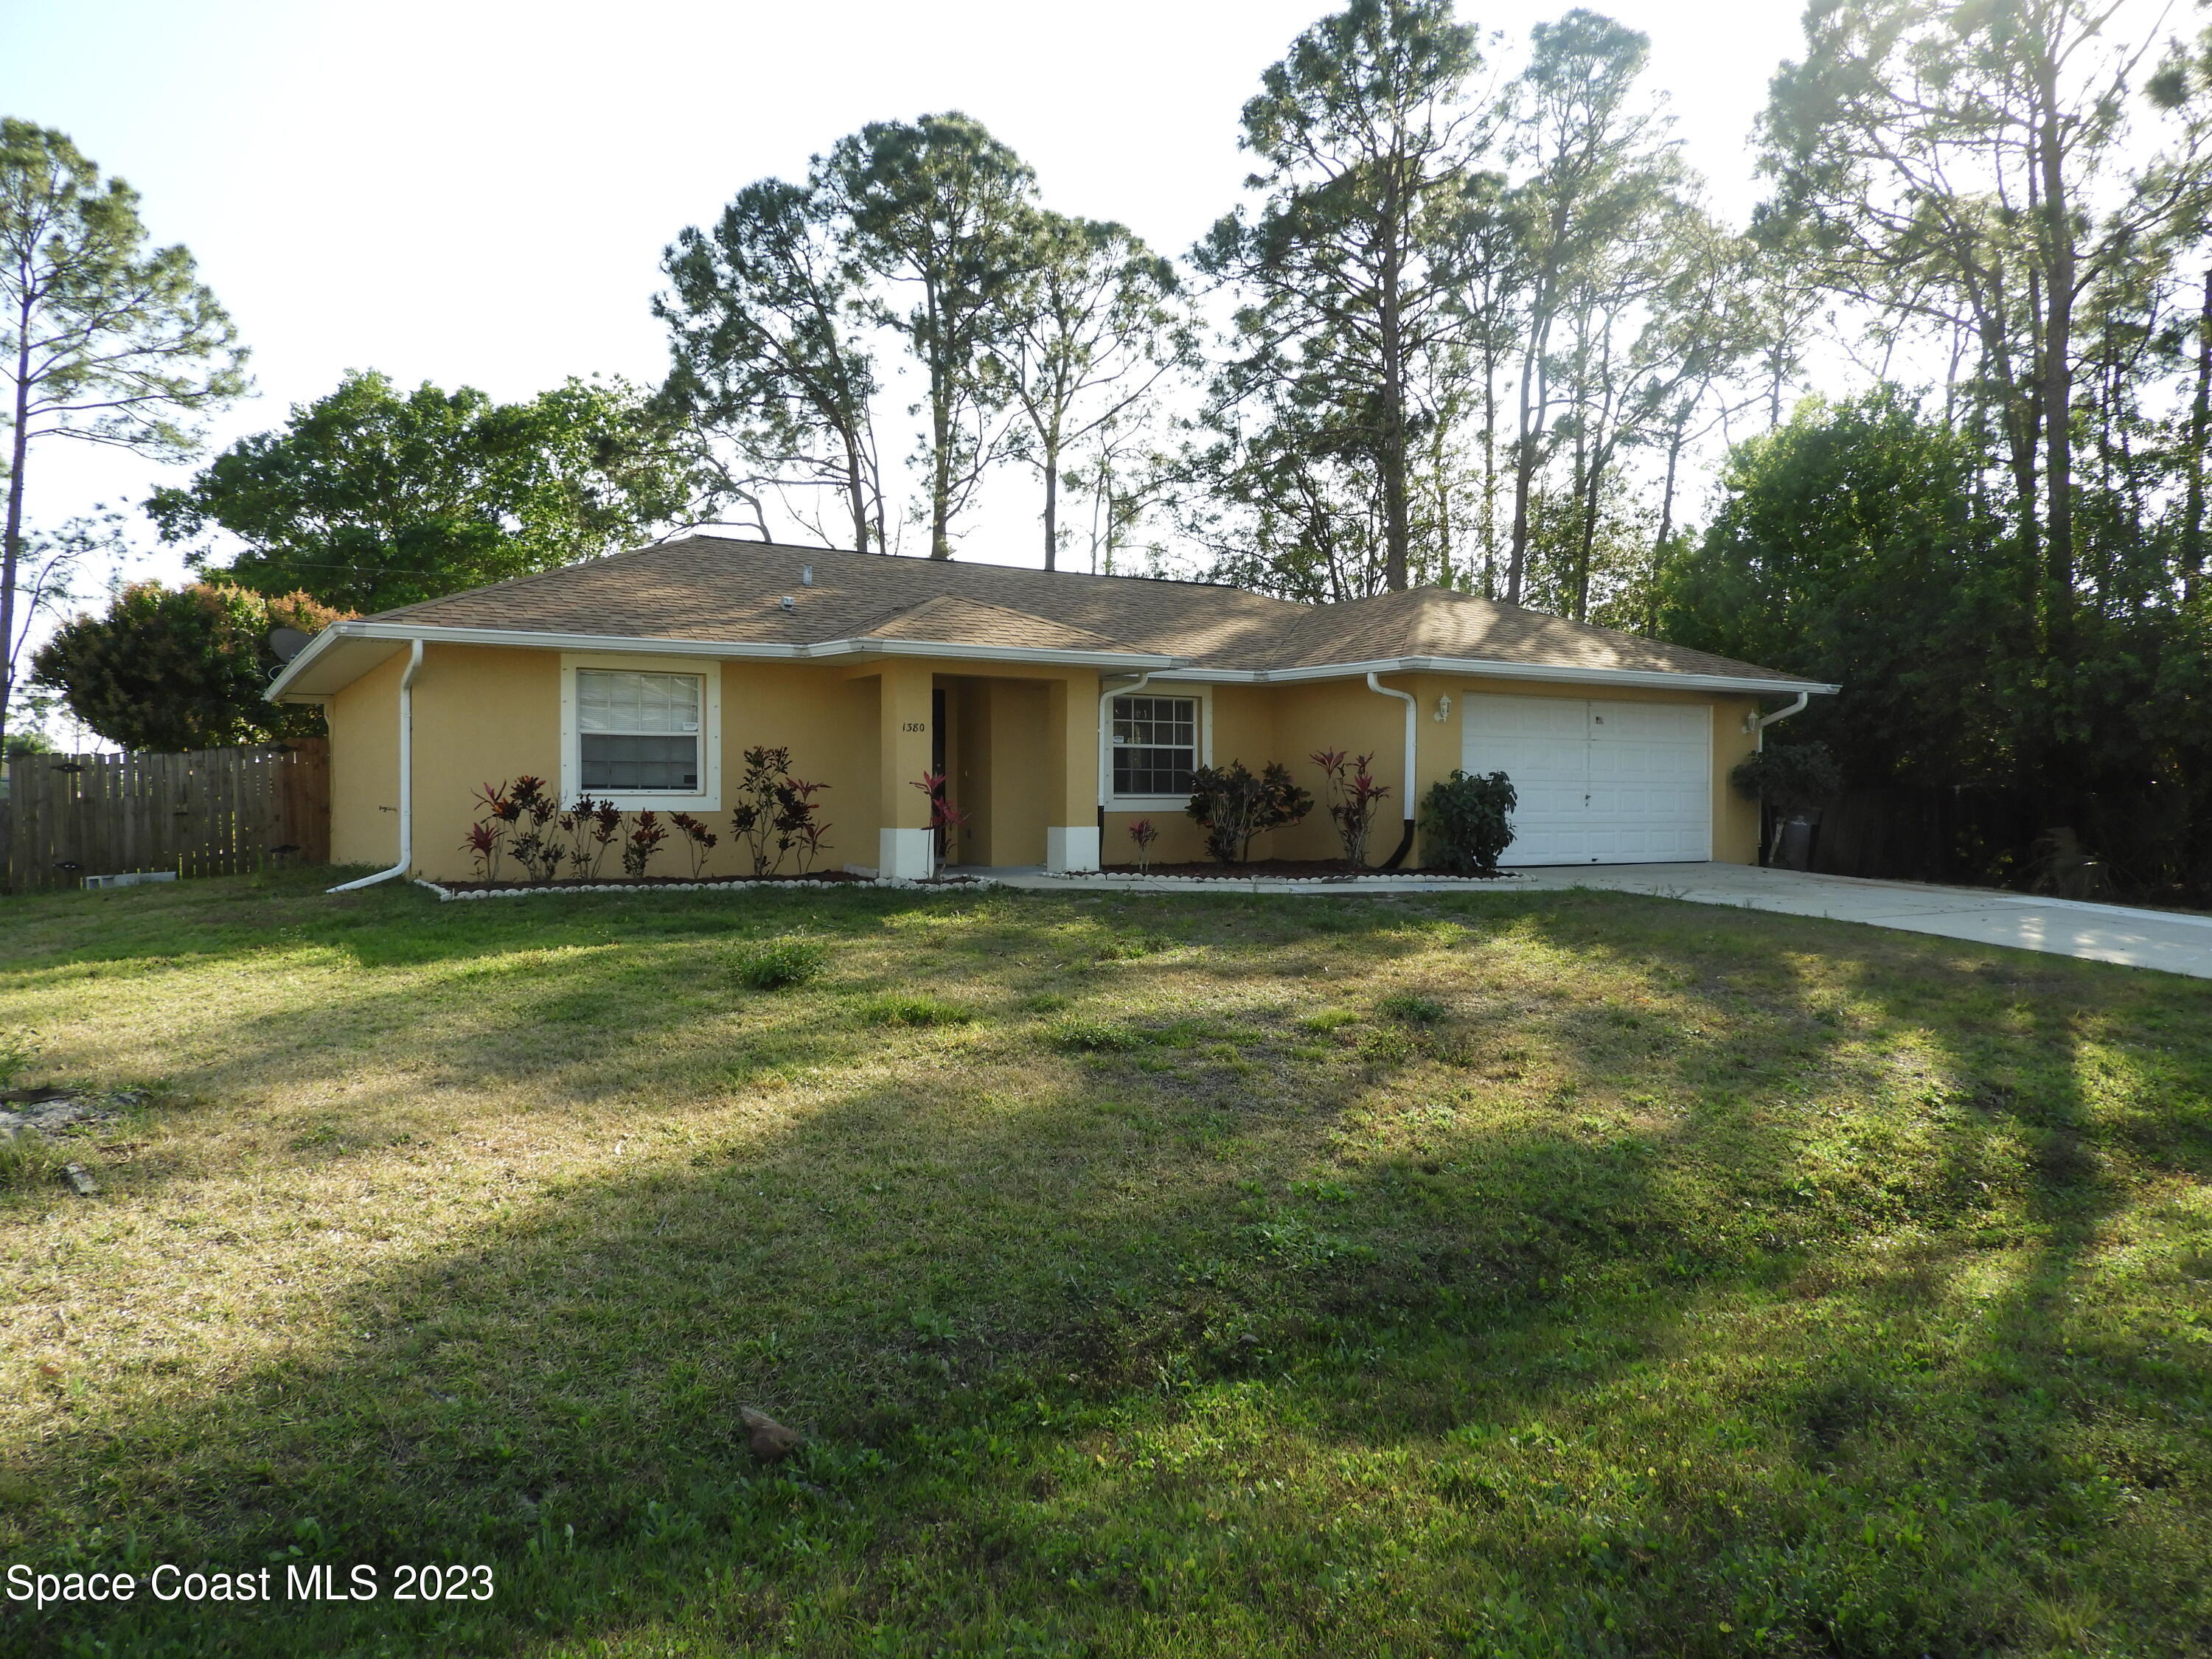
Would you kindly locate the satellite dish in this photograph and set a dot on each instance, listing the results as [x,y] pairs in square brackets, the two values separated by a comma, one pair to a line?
[288,642]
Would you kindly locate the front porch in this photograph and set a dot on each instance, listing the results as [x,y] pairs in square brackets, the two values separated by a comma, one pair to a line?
[1019,755]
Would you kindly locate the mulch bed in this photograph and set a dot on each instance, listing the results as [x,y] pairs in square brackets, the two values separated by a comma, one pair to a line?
[1296,869]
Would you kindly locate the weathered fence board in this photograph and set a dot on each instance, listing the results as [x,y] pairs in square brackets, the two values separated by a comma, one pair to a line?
[215,811]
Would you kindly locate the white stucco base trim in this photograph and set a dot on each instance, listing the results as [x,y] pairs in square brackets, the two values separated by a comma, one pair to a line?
[903,855]
[1070,849]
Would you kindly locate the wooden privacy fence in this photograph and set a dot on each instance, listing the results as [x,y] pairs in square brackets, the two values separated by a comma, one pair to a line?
[214,812]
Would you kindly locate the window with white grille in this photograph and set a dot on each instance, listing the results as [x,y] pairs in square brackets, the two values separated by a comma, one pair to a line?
[1156,743]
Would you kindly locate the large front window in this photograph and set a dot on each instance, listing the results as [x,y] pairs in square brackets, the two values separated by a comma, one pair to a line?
[638,732]
[1155,746]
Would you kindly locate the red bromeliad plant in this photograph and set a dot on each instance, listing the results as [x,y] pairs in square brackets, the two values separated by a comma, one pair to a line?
[644,841]
[810,844]
[589,826]
[1353,797]
[483,843]
[1143,832]
[487,837]
[796,831]
[944,817]
[774,813]
[698,840]
[752,820]
[536,846]
[605,824]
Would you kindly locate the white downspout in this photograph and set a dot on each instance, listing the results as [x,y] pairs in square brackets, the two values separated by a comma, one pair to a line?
[1106,748]
[1406,840]
[1757,724]
[406,777]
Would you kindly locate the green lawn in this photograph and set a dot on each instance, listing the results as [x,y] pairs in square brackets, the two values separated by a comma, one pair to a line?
[1490,1274]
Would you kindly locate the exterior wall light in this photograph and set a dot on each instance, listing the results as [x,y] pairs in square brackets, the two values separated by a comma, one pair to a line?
[1444,710]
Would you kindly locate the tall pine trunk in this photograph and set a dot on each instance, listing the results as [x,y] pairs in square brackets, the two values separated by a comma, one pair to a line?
[2200,428]
[1395,233]
[2058,379]
[12,548]
[1052,507]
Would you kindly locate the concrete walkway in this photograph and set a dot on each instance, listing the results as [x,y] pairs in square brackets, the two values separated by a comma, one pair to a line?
[2068,927]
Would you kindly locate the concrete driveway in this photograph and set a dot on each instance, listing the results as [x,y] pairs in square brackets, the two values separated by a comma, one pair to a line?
[2067,928]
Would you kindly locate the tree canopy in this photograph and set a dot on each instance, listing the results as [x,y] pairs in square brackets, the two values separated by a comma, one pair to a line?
[369,497]
[768,352]
[944,211]
[1849,547]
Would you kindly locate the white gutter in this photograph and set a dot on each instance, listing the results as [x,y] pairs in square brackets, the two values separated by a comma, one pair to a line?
[406,777]
[1491,668]
[1161,665]
[1413,728]
[1757,724]
[1106,749]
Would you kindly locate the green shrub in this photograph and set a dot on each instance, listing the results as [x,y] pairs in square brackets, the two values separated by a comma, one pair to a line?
[908,1008]
[774,963]
[1789,777]
[1466,822]
[1232,806]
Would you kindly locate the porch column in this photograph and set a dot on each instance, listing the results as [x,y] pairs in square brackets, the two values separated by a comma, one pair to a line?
[903,849]
[1070,836]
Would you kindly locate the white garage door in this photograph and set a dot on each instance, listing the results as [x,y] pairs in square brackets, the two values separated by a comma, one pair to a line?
[1598,782]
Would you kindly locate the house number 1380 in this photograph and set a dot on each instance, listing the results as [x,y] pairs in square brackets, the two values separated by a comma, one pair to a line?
[915,726]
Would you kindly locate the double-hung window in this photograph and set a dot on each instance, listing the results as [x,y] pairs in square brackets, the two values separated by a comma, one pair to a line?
[640,733]
[1156,745]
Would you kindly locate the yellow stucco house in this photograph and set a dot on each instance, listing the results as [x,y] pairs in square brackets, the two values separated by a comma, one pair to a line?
[1063,708]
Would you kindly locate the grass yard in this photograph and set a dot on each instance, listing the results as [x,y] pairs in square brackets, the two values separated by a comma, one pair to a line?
[1489,1274]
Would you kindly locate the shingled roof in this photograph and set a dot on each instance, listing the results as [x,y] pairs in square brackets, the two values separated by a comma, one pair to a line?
[706,591]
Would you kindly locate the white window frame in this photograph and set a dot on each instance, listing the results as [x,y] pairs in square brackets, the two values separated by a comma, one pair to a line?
[1201,695]
[708,798]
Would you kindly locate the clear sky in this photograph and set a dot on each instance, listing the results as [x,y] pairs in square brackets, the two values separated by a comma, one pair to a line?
[472,193]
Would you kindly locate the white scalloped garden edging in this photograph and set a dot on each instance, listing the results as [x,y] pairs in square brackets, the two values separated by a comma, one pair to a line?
[970,884]
[1373,878]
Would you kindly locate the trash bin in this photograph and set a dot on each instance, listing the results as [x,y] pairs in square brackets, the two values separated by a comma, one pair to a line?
[1798,844]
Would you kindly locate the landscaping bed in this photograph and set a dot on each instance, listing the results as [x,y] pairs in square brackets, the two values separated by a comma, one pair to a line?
[611,884]
[823,878]
[1488,1272]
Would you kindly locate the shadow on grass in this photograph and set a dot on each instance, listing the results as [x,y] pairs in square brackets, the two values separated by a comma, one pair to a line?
[1121,1360]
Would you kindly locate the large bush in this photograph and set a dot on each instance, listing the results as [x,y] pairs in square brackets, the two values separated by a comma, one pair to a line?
[1791,778]
[1466,822]
[172,669]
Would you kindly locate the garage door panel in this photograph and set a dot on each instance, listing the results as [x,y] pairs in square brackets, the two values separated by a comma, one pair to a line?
[1597,782]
